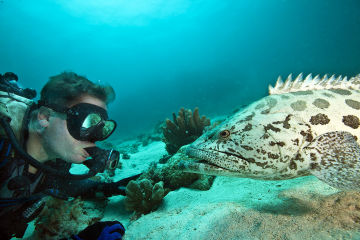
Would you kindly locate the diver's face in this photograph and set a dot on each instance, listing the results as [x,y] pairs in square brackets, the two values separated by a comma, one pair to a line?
[57,140]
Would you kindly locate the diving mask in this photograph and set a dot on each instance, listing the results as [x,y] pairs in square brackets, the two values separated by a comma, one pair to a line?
[86,122]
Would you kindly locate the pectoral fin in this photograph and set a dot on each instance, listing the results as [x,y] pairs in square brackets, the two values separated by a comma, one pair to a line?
[335,159]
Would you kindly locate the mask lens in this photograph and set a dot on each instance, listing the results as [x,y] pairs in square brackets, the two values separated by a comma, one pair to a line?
[91,120]
[108,128]
[95,128]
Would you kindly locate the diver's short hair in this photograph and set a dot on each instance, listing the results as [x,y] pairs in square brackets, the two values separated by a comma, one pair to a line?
[66,87]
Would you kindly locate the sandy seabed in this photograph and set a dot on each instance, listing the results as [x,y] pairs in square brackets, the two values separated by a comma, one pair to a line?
[235,208]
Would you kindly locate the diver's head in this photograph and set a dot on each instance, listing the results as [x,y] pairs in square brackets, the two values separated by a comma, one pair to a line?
[72,115]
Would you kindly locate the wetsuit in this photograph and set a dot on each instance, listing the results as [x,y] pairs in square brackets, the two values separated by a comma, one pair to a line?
[21,193]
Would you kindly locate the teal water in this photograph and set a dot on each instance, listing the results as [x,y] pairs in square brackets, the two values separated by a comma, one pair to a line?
[217,55]
[162,55]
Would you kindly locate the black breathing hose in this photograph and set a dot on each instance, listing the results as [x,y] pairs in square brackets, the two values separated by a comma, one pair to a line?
[46,169]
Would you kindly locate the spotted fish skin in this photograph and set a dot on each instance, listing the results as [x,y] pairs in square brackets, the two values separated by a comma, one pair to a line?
[288,134]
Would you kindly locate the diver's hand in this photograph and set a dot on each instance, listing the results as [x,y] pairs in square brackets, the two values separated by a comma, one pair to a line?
[117,188]
[112,232]
[109,230]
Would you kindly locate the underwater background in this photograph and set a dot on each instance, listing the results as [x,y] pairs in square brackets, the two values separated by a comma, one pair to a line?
[161,55]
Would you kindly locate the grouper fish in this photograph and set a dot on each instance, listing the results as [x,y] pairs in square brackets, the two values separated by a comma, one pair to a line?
[306,126]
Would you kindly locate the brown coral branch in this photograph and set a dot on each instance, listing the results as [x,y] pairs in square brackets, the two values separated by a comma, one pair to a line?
[185,128]
[143,197]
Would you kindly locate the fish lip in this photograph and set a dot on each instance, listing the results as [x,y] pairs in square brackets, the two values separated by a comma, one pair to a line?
[203,160]
[212,150]
[183,165]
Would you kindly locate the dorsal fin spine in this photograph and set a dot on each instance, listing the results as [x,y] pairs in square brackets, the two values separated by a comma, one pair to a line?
[288,81]
[316,83]
[279,82]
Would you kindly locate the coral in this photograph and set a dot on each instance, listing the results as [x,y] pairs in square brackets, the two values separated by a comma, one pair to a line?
[164,158]
[174,178]
[143,197]
[204,182]
[185,128]
[61,219]
[146,193]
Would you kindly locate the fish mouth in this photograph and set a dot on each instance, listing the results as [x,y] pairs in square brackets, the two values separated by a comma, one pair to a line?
[200,163]
[201,156]
[203,167]
[196,153]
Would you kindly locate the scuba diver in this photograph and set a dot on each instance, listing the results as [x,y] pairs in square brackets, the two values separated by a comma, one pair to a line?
[39,142]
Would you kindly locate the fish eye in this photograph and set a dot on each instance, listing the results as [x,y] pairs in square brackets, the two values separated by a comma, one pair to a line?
[225,134]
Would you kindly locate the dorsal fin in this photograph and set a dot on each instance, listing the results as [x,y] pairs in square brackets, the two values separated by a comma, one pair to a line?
[309,83]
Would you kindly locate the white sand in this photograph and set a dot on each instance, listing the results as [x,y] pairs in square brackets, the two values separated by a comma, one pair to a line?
[233,208]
